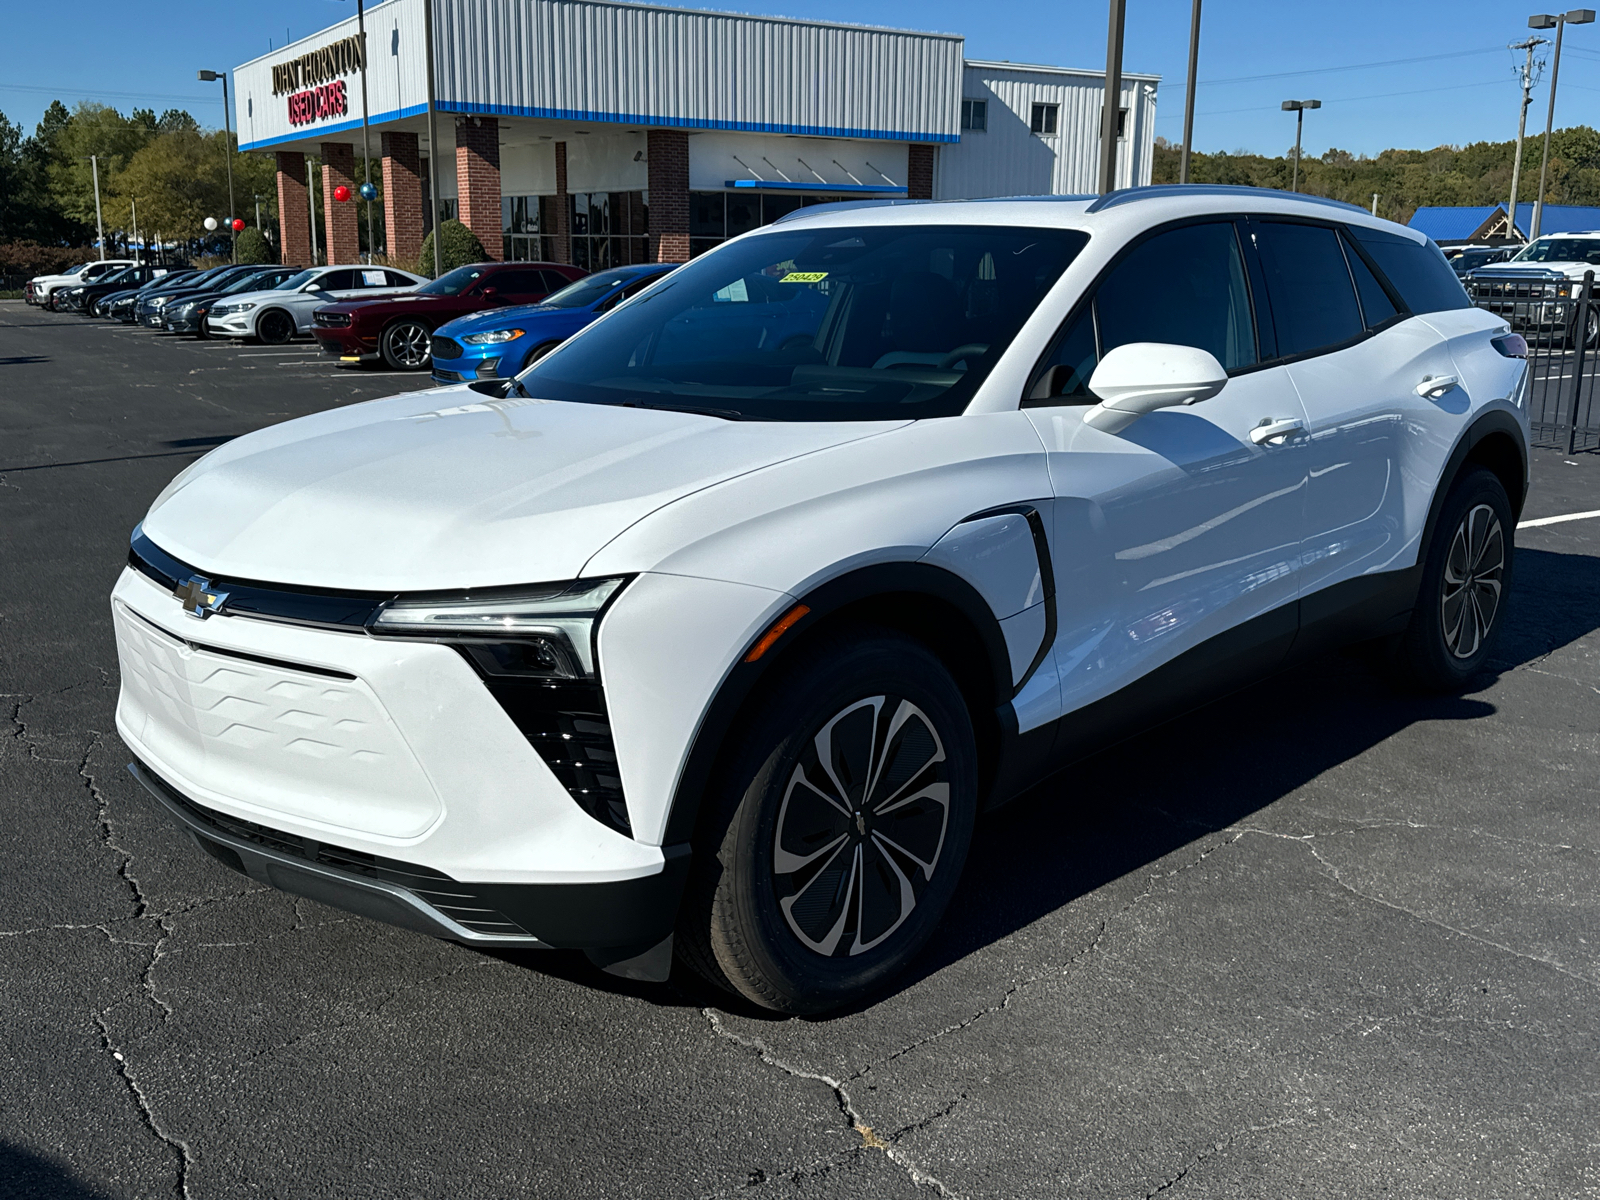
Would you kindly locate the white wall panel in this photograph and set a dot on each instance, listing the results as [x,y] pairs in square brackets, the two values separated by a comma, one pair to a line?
[713,160]
[604,164]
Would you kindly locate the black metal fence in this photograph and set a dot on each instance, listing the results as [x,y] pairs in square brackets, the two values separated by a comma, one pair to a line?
[1561,321]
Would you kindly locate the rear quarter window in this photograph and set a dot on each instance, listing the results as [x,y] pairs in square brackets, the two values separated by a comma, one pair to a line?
[1417,270]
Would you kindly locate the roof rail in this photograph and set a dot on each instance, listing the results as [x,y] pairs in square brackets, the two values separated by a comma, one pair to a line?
[841,206]
[1162,190]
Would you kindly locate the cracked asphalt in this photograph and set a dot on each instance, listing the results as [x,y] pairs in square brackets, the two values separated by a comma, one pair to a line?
[1319,939]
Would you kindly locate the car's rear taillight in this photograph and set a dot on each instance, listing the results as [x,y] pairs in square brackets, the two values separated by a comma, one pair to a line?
[1512,345]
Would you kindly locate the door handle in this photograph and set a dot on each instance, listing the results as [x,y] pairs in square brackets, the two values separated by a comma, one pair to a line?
[1435,386]
[1276,432]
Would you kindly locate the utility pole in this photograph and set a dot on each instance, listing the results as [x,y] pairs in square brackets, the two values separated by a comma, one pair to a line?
[133,206]
[433,133]
[99,225]
[1577,16]
[311,195]
[1529,78]
[1188,98]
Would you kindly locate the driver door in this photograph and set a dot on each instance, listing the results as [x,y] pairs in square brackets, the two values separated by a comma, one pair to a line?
[1182,526]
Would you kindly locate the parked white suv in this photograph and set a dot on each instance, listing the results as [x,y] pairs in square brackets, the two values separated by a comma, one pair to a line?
[714,632]
[41,287]
[284,312]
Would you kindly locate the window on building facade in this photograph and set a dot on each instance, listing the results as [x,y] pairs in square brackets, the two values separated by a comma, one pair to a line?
[1044,118]
[610,229]
[716,216]
[529,224]
[1122,122]
[975,114]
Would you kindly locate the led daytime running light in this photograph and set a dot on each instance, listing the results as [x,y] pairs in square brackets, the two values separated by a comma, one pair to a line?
[493,338]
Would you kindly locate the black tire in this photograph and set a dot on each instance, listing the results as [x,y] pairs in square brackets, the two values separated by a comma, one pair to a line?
[275,327]
[404,346]
[92,309]
[1465,581]
[536,354]
[835,925]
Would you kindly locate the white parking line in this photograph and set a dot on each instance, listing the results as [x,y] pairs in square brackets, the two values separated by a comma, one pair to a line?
[1583,516]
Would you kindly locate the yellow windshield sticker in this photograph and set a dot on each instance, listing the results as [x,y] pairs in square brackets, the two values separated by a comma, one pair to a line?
[804,277]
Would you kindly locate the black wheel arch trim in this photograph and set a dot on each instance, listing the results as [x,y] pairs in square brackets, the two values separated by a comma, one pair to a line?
[826,600]
[1496,421]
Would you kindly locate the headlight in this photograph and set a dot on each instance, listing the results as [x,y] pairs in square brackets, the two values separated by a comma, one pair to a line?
[234,308]
[493,338]
[543,631]
[159,301]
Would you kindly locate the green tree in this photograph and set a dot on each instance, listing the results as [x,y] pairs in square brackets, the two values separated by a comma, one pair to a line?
[253,247]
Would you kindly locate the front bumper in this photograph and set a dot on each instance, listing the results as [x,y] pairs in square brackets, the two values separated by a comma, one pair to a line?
[344,343]
[465,370]
[232,325]
[303,751]
[151,318]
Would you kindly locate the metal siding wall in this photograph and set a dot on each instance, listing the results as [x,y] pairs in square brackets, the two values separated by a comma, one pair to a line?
[1008,160]
[577,59]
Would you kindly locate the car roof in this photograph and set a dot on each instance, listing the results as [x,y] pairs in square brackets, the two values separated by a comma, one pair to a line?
[1123,211]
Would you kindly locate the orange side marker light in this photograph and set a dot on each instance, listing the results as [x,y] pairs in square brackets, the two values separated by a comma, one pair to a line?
[779,627]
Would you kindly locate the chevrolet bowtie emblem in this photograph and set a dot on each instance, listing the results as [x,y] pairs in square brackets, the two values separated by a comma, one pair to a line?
[199,598]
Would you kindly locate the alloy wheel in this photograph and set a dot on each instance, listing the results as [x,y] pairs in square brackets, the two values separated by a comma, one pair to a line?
[1474,574]
[408,346]
[861,826]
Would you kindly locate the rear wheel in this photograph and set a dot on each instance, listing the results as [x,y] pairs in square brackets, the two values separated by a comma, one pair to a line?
[404,346]
[1465,579]
[275,327]
[840,830]
[536,354]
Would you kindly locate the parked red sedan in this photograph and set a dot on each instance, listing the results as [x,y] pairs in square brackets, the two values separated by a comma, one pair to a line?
[398,327]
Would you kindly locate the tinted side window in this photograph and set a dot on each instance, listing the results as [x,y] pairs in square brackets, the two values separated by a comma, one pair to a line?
[1185,287]
[337,281]
[518,283]
[398,280]
[1376,306]
[554,281]
[1313,299]
[1417,270]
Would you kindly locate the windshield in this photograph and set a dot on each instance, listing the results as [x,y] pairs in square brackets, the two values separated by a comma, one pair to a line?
[300,280]
[838,324]
[263,281]
[451,283]
[126,275]
[589,289]
[1556,249]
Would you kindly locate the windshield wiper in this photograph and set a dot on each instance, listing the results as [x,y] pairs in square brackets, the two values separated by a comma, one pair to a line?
[726,414]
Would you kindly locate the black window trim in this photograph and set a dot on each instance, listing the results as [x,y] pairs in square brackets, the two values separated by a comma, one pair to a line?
[1253,281]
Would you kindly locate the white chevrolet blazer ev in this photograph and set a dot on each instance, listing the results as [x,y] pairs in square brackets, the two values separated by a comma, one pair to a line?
[711,634]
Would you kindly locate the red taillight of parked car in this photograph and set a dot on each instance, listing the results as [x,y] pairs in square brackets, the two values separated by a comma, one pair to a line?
[1512,345]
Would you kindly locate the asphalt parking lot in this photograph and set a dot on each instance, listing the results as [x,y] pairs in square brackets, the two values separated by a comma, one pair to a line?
[1319,939]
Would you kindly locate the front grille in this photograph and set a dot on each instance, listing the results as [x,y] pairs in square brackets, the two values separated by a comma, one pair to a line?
[455,900]
[330,320]
[444,347]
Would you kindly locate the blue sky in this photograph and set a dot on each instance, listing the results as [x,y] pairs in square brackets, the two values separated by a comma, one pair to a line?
[1454,85]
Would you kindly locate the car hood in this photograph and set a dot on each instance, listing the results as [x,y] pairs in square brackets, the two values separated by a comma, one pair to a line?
[449,488]
[499,318]
[397,300]
[269,294]
[1525,270]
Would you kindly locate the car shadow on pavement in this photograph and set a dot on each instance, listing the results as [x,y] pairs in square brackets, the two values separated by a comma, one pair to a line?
[24,360]
[1134,803]
[24,1173]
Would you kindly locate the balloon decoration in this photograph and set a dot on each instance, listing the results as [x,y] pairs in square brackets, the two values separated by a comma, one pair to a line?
[238,224]
[211,224]
[369,191]
[341,193]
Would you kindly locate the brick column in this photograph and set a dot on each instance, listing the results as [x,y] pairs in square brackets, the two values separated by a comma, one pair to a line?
[340,221]
[668,155]
[404,197]
[294,217]
[563,229]
[478,181]
[919,172]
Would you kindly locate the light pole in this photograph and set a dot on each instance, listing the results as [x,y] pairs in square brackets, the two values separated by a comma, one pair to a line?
[1298,108]
[1188,98]
[1528,81]
[1558,22]
[99,225]
[227,148]
[367,190]
[1375,196]
[433,137]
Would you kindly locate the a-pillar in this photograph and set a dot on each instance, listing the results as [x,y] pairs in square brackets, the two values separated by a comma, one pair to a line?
[343,242]
[403,201]
[668,154]
[478,181]
[294,218]
[563,202]
[919,172]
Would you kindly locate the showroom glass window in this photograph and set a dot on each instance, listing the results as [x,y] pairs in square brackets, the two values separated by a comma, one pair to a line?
[868,323]
[714,217]
[529,225]
[609,229]
[1185,286]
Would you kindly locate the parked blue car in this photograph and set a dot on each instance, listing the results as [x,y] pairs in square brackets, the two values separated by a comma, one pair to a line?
[501,342]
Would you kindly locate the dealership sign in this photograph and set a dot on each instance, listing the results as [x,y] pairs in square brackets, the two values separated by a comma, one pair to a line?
[313,83]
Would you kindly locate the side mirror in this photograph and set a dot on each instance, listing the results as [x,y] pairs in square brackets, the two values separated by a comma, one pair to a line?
[491,294]
[1141,377]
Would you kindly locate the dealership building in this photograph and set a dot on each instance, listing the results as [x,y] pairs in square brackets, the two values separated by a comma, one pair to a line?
[601,133]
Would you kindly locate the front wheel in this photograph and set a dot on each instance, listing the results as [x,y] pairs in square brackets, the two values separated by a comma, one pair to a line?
[275,327]
[404,346]
[841,828]
[1465,580]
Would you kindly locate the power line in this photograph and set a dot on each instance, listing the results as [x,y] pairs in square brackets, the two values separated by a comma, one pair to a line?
[81,95]
[1388,62]
[1455,87]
